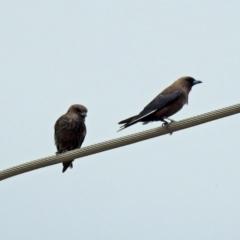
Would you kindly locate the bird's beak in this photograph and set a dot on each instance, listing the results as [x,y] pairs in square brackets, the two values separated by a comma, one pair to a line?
[83,114]
[196,82]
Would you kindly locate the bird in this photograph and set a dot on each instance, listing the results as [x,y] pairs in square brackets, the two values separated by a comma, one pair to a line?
[165,104]
[70,131]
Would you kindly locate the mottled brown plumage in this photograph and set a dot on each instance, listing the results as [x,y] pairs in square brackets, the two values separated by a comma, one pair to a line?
[165,104]
[70,131]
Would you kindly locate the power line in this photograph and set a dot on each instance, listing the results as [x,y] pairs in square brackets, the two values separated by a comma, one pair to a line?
[120,142]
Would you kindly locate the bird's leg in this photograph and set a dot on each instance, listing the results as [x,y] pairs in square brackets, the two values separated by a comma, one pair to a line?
[171,120]
[166,124]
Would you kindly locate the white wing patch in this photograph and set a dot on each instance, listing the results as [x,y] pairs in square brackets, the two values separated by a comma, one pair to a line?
[136,120]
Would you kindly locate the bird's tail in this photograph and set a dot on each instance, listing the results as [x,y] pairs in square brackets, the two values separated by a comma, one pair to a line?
[66,165]
[127,122]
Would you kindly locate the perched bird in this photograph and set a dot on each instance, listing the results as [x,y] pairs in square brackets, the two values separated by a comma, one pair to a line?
[70,131]
[165,104]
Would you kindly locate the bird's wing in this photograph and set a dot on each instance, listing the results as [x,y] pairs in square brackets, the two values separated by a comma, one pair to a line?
[62,124]
[83,137]
[158,103]
[61,129]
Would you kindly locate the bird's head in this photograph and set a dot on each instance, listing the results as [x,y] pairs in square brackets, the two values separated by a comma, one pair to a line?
[78,109]
[188,81]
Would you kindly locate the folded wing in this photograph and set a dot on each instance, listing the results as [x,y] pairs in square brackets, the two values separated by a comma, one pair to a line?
[158,103]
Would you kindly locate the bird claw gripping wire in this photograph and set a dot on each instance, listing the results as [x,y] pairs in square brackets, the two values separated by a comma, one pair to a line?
[167,124]
[57,153]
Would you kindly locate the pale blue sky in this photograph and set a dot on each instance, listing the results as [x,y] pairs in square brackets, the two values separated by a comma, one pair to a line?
[114,57]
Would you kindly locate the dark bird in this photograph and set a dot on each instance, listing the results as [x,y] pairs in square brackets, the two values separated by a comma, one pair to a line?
[165,104]
[70,131]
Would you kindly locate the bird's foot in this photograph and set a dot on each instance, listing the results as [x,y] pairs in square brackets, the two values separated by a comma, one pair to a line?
[167,124]
[57,153]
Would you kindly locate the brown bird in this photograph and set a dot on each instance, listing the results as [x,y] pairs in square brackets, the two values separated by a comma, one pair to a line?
[165,104]
[70,131]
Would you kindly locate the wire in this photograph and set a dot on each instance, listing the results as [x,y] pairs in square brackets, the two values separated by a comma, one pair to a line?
[120,142]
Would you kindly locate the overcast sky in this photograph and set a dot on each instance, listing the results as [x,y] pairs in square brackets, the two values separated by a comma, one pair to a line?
[114,57]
